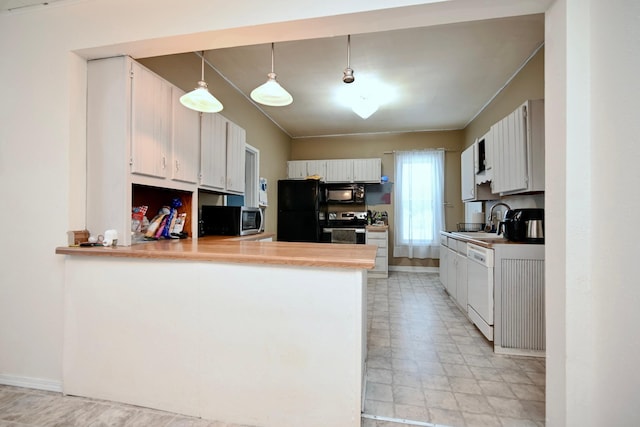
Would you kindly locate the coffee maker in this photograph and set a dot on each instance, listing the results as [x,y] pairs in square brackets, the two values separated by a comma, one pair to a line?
[524,225]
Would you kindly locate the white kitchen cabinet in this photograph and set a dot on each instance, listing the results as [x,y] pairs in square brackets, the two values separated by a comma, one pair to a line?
[380,238]
[461,276]
[367,170]
[519,300]
[301,169]
[151,127]
[119,153]
[339,170]
[222,154]
[444,255]
[213,152]
[470,191]
[452,272]
[185,155]
[518,150]
[317,167]
[297,169]
[236,142]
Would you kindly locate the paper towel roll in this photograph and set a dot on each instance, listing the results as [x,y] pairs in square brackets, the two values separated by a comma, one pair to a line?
[477,218]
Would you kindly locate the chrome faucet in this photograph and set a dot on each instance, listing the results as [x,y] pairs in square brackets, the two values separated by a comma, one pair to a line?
[491,215]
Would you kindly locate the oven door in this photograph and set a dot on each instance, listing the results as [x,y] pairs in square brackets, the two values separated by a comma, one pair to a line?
[343,235]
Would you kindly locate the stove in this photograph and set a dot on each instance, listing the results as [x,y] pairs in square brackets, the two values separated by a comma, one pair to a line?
[345,227]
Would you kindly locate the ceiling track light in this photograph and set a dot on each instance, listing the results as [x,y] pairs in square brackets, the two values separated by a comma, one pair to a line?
[200,99]
[348,72]
[271,93]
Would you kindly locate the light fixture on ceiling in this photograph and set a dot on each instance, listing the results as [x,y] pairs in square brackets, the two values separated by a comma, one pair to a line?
[348,72]
[364,107]
[200,99]
[271,93]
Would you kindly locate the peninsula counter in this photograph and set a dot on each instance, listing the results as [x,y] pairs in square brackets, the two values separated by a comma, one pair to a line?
[246,332]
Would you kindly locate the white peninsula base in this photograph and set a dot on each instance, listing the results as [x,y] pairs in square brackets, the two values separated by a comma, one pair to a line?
[265,345]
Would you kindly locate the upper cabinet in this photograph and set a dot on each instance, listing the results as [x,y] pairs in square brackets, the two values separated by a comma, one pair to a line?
[518,150]
[340,170]
[236,142]
[470,190]
[213,152]
[337,170]
[510,156]
[222,154]
[367,170]
[185,155]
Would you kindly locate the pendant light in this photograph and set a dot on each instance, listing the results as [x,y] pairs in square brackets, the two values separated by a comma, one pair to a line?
[271,93]
[348,72]
[200,99]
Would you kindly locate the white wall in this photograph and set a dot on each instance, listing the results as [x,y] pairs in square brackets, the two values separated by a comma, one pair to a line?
[593,60]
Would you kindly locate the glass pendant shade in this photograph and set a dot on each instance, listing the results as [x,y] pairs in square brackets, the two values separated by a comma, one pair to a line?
[200,99]
[271,93]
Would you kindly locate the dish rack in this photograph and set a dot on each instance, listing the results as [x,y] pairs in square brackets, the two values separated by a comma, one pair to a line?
[470,226]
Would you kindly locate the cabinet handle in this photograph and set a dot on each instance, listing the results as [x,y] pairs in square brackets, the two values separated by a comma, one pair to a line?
[177,165]
[164,162]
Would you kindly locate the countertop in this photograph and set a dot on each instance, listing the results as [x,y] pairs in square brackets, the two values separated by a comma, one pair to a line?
[481,241]
[240,250]
[377,227]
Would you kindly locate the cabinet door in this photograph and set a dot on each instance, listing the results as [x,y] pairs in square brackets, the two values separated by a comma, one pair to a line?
[213,152]
[367,170]
[236,140]
[467,174]
[150,122]
[510,153]
[297,169]
[339,170]
[451,273]
[317,167]
[461,281]
[185,159]
[443,269]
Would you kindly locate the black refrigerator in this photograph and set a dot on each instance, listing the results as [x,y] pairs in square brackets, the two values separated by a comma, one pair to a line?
[299,207]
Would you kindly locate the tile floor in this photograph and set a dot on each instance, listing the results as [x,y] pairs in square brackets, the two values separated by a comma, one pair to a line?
[426,365]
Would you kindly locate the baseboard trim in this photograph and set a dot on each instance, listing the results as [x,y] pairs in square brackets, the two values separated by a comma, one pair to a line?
[414,269]
[28,382]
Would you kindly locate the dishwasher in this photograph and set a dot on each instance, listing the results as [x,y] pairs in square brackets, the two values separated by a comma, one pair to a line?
[480,288]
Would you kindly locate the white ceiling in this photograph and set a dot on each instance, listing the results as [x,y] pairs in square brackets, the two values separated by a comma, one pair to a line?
[20,4]
[443,75]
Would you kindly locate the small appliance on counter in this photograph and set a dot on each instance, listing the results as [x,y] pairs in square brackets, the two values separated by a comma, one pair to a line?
[524,225]
[230,221]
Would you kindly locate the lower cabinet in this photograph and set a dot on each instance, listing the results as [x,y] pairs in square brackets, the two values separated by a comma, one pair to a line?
[453,270]
[379,236]
[461,277]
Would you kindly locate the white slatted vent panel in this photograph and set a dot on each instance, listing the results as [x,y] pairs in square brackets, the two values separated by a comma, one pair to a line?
[522,299]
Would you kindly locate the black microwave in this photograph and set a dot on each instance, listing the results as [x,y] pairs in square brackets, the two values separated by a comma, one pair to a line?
[230,221]
[344,193]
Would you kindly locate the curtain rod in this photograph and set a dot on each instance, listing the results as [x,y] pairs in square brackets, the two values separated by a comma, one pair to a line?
[424,149]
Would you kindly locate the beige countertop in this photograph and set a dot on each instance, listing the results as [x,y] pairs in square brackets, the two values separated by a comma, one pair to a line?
[240,250]
[480,241]
[377,227]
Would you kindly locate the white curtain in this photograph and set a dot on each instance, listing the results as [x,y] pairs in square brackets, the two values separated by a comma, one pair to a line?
[418,203]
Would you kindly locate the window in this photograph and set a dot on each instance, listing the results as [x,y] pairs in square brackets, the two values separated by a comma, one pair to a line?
[418,203]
